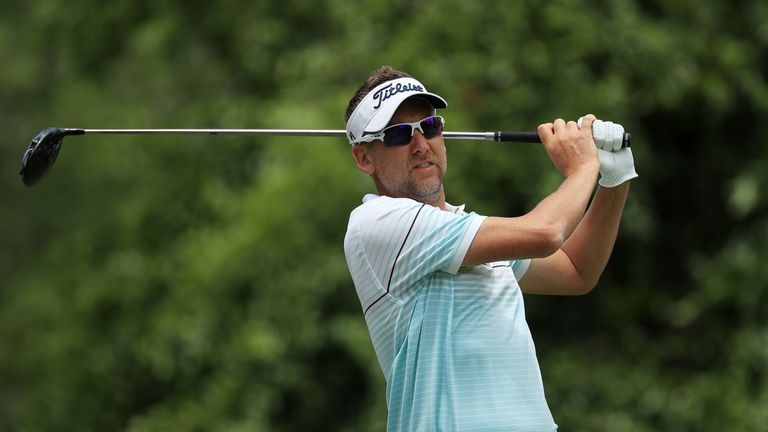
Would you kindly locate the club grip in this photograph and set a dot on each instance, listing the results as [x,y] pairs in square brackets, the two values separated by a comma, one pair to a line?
[533,137]
[530,137]
[626,140]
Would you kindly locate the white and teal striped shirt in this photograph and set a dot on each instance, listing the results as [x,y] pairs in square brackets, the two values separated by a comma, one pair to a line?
[452,341]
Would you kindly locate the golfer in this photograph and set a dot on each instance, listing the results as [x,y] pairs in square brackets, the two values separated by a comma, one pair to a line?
[440,288]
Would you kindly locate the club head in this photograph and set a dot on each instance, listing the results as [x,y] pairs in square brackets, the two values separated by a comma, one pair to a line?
[42,152]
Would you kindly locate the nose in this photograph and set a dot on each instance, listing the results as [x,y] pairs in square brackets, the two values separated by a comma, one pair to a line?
[419,143]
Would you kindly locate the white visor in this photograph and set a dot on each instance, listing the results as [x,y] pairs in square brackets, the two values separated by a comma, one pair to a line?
[379,105]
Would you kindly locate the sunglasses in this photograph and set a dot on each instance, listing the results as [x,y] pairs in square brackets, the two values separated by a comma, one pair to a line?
[401,133]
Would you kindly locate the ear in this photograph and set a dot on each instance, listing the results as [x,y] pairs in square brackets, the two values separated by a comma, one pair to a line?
[363,157]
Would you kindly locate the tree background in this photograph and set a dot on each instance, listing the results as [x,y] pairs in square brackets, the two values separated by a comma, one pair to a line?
[199,283]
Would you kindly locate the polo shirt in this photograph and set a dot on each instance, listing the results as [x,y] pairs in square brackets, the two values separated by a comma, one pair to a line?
[452,341]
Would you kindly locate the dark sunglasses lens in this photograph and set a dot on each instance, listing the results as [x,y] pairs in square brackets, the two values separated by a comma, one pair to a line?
[401,134]
[431,127]
[397,136]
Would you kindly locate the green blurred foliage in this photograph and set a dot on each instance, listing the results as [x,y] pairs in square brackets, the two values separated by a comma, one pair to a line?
[199,283]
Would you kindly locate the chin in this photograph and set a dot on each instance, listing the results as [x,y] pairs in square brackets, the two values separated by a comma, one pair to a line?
[427,192]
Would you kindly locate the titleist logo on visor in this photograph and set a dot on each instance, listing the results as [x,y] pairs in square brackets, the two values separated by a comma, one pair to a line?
[387,92]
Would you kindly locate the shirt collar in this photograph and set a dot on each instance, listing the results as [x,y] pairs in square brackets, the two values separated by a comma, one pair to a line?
[448,207]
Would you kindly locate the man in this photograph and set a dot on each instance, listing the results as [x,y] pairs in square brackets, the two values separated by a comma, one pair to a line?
[441,289]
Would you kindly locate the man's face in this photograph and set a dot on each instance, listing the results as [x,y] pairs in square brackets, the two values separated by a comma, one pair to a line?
[414,170]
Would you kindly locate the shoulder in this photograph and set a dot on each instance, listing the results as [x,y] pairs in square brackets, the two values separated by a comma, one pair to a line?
[383,209]
[379,223]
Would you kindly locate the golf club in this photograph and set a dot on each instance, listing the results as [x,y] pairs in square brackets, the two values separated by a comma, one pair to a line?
[45,146]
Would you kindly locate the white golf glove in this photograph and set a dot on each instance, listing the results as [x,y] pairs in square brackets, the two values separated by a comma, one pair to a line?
[616,167]
[616,164]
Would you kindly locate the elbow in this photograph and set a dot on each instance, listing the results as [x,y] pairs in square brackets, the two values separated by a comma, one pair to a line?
[585,286]
[551,239]
[584,289]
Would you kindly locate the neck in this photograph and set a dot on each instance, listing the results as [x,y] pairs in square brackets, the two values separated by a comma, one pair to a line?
[436,200]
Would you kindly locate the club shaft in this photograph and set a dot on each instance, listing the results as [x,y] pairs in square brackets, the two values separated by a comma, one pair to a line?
[289,132]
[478,136]
[499,136]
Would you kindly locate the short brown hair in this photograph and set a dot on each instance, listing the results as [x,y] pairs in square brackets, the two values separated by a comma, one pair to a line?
[380,75]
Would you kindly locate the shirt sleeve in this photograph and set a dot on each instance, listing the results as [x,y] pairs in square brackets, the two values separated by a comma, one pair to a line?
[520,267]
[403,241]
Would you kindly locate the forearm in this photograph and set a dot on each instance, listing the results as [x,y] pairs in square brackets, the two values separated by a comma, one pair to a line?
[538,233]
[576,266]
[564,209]
[590,245]
[542,231]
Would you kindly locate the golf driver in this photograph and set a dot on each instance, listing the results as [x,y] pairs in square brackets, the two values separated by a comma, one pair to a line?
[45,146]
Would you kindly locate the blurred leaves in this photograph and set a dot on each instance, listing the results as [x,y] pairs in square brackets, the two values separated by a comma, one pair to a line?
[199,283]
